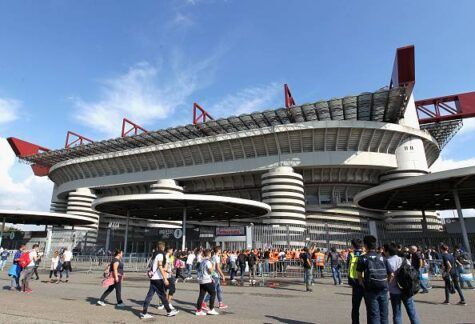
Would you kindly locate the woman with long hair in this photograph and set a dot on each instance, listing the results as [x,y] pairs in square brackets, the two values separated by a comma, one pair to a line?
[116,271]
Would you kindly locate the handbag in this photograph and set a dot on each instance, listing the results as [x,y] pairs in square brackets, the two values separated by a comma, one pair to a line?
[109,281]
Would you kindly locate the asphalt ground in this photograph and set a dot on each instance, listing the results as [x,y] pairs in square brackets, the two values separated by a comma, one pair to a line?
[279,301]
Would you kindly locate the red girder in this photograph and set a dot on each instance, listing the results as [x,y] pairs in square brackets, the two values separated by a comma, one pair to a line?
[23,148]
[404,69]
[74,139]
[134,127]
[452,107]
[289,100]
[202,116]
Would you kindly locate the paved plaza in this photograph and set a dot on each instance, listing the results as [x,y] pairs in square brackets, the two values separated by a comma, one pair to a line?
[283,302]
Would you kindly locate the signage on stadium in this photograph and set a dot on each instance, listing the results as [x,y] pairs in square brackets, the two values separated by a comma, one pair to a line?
[230,231]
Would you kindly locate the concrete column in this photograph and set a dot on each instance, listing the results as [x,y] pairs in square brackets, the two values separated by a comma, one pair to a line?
[466,242]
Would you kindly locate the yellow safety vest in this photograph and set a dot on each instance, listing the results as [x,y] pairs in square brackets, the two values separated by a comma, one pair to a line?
[352,268]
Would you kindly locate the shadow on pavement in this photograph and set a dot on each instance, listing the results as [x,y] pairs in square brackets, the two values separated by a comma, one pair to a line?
[286,320]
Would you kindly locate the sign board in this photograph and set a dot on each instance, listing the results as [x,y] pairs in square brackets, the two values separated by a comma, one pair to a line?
[12,235]
[231,231]
[114,225]
[178,233]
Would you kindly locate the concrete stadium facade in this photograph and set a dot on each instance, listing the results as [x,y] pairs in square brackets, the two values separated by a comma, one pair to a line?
[306,161]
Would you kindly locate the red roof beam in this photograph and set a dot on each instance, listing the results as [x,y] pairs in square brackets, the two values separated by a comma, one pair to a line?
[202,116]
[74,139]
[451,107]
[289,100]
[23,149]
[404,69]
[133,128]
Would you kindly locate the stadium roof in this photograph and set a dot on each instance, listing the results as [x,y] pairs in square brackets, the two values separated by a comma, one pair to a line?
[385,105]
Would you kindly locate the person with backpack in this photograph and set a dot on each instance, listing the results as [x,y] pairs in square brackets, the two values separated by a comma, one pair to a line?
[403,284]
[218,277]
[450,276]
[171,288]
[242,259]
[462,262]
[252,260]
[357,291]
[27,261]
[116,271]
[418,262]
[335,262]
[158,283]
[373,277]
[15,269]
[205,279]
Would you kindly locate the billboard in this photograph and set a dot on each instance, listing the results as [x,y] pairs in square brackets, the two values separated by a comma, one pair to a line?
[231,231]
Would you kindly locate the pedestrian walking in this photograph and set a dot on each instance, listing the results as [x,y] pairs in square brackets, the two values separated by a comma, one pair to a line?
[205,280]
[218,278]
[3,258]
[115,274]
[28,259]
[66,258]
[450,276]
[54,267]
[357,291]
[335,260]
[394,264]
[158,283]
[372,275]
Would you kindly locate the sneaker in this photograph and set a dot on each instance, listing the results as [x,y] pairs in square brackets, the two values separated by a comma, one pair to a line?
[172,313]
[462,302]
[446,302]
[222,306]
[171,307]
[213,312]
[100,303]
[28,291]
[120,305]
[204,306]
[200,313]
[145,316]
[160,306]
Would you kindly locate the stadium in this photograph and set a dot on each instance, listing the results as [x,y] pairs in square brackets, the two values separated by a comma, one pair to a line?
[305,161]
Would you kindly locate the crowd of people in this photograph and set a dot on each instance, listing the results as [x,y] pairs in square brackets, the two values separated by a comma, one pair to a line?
[25,264]
[376,275]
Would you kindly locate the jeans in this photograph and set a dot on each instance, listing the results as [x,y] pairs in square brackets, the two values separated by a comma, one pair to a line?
[307,278]
[206,288]
[158,287]
[336,273]
[424,283]
[266,266]
[232,270]
[252,272]
[118,288]
[376,306]
[461,271]
[243,270]
[410,306]
[218,289]
[25,277]
[455,280]
[357,295]
[2,264]
[189,268]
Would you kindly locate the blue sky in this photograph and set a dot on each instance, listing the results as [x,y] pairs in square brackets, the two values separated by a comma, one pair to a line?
[84,65]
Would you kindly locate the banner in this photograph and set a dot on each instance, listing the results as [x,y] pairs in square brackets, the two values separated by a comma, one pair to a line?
[231,231]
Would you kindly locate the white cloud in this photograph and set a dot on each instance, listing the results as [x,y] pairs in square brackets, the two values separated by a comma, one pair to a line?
[248,100]
[8,110]
[30,192]
[145,93]
[446,164]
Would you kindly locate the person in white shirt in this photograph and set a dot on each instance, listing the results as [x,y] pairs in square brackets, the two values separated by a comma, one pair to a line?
[28,271]
[189,264]
[66,258]
[54,267]
[158,283]
[218,276]
[205,269]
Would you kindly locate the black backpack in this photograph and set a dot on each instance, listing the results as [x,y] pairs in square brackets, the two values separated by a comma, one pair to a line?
[376,273]
[407,278]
